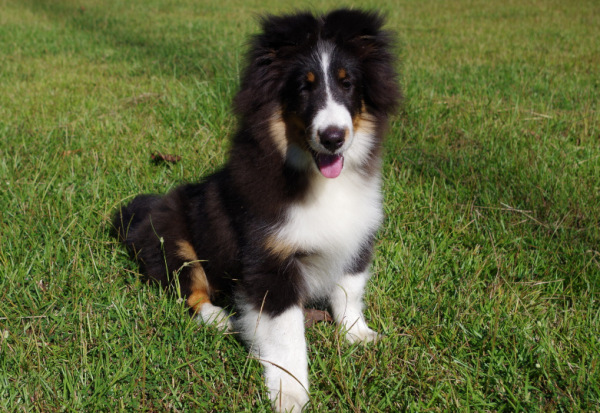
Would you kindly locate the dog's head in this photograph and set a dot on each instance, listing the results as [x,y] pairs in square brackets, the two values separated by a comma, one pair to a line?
[319,81]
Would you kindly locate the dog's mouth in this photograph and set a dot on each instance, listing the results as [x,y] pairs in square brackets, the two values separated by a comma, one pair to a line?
[329,165]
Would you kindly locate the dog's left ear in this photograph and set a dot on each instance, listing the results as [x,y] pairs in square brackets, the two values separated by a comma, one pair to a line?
[362,34]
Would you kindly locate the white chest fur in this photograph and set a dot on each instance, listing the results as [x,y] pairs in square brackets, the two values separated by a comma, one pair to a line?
[331,225]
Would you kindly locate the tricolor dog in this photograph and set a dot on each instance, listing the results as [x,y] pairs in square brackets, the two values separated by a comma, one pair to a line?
[291,217]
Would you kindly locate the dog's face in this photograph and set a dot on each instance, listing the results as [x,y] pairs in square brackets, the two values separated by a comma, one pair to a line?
[321,104]
[323,80]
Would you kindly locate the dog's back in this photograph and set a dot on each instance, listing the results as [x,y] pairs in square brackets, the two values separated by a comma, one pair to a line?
[130,216]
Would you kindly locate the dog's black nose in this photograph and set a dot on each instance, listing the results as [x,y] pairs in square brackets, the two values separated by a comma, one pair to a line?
[332,138]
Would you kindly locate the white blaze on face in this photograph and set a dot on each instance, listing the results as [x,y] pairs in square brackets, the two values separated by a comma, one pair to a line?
[333,114]
[329,124]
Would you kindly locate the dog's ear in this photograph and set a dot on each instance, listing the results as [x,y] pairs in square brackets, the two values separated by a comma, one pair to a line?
[353,26]
[281,38]
[361,33]
[285,34]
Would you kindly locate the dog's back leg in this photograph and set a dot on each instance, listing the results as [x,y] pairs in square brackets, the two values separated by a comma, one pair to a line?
[194,285]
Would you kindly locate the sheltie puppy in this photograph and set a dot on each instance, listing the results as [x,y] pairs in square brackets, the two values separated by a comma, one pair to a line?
[291,217]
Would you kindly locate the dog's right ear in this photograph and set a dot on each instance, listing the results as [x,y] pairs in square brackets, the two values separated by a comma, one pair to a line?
[284,34]
[281,38]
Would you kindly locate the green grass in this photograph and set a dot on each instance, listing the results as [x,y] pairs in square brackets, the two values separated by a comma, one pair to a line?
[487,272]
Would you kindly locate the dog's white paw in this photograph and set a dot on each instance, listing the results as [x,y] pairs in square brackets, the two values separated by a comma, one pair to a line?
[364,336]
[359,332]
[287,388]
[290,401]
[214,315]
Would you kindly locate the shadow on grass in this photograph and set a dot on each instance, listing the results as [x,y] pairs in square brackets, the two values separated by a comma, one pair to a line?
[530,201]
[145,37]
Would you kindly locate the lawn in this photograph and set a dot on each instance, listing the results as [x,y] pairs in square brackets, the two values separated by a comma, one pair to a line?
[486,280]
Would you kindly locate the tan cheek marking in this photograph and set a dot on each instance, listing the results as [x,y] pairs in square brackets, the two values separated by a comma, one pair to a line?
[310,77]
[364,121]
[278,133]
[278,248]
[342,73]
[200,290]
[286,131]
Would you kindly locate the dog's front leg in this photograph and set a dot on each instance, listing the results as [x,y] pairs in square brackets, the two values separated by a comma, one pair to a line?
[347,307]
[279,343]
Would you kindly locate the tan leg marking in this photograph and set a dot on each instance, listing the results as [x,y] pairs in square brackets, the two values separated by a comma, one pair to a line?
[199,288]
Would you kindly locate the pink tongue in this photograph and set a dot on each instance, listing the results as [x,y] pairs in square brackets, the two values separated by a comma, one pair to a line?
[330,165]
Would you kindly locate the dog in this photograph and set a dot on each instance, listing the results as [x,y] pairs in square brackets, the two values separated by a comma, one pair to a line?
[292,215]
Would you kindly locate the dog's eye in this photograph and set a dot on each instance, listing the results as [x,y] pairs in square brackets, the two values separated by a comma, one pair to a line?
[346,84]
[306,86]
[308,82]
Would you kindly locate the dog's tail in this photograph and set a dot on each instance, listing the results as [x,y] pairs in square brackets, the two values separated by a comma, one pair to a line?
[129,216]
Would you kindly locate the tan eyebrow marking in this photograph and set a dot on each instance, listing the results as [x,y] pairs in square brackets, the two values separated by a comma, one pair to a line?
[342,73]
[310,76]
